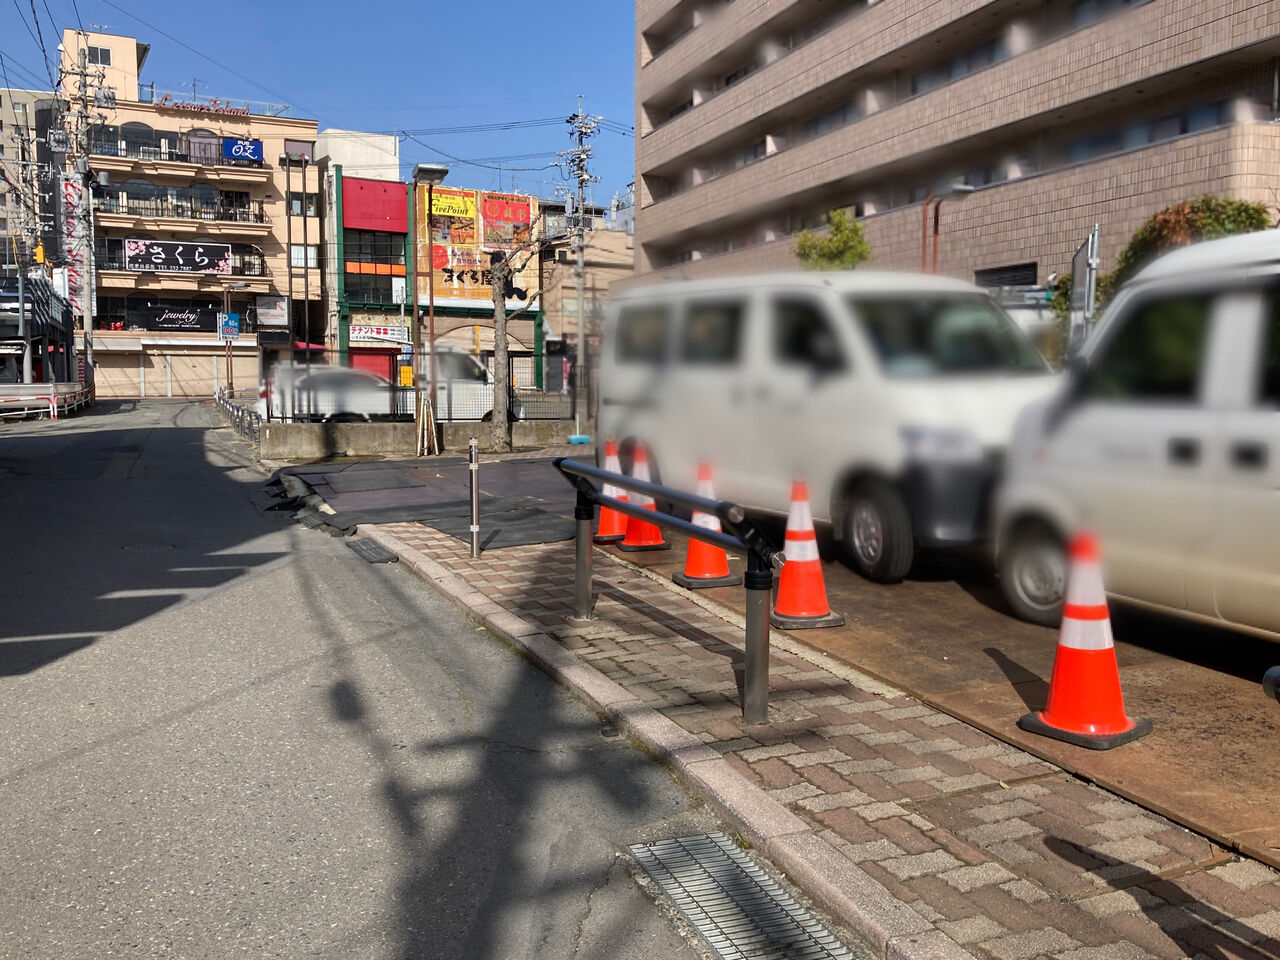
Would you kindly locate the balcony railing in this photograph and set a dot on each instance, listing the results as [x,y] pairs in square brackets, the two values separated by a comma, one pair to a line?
[241,265]
[175,151]
[182,210]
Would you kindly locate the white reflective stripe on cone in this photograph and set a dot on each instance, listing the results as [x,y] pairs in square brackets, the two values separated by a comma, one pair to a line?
[799,551]
[609,490]
[706,521]
[800,517]
[1086,634]
[1084,584]
[641,500]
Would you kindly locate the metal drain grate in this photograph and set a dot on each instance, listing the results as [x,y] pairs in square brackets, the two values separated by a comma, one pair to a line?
[735,905]
[372,551]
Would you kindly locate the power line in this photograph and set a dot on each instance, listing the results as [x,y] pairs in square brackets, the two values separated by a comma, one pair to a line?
[465,162]
[35,17]
[236,73]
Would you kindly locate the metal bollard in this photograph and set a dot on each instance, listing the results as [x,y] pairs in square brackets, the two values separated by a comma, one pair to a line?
[758,581]
[584,513]
[473,456]
[1271,683]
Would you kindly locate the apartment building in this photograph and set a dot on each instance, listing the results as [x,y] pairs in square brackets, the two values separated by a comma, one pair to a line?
[193,212]
[21,190]
[756,117]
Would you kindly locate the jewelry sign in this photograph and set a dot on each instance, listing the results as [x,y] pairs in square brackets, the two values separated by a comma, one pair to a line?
[177,256]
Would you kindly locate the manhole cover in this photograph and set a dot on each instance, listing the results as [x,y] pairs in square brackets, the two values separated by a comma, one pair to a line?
[372,551]
[738,908]
[148,547]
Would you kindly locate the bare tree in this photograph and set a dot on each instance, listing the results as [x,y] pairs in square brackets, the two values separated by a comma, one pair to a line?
[505,266]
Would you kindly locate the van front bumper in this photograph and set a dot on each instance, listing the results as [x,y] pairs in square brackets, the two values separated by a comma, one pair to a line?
[950,503]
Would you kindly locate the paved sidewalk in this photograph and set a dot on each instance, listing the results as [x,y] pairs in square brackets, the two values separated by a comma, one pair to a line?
[925,836]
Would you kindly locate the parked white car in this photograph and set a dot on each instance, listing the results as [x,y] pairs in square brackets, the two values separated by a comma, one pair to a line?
[893,395]
[464,391]
[1166,441]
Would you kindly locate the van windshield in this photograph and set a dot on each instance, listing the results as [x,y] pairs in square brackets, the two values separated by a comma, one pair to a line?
[942,334]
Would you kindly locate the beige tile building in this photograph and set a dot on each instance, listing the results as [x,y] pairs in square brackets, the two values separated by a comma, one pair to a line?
[755,117]
[199,179]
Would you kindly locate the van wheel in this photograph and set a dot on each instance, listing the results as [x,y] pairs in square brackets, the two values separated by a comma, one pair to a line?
[1033,573]
[877,532]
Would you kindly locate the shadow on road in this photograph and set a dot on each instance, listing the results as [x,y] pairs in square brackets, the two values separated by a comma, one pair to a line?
[1197,928]
[1029,685]
[106,526]
[469,839]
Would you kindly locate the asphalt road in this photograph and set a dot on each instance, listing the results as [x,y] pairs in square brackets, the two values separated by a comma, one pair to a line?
[223,734]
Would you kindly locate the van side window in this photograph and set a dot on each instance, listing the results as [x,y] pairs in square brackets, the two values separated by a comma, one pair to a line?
[1269,383]
[804,336]
[1157,354]
[642,334]
[712,333]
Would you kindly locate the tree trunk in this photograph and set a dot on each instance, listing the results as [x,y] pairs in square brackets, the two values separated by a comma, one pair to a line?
[500,435]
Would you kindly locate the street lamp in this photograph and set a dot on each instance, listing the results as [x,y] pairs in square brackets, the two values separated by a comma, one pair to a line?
[954,191]
[226,308]
[430,174]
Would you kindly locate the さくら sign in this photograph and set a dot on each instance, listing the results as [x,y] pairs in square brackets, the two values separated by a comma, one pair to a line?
[182,256]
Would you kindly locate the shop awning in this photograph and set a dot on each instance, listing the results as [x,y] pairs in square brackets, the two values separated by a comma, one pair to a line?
[299,345]
[117,345]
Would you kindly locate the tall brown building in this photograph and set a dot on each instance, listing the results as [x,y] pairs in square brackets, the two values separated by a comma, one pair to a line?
[193,212]
[755,117]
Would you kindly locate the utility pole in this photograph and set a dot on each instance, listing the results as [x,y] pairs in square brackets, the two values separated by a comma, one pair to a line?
[582,127]
[84,227]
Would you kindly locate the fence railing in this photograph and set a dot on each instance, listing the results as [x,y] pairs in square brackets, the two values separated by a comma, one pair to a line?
[164,207]
[739,532]
[236,407]
[209,154]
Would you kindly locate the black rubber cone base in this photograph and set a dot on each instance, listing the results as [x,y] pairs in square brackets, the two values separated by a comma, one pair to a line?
[639,548]
[1032,723]
[805,623]
[701,583]
[611,538]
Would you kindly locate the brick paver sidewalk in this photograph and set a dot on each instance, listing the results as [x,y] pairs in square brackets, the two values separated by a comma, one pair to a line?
[1001,852]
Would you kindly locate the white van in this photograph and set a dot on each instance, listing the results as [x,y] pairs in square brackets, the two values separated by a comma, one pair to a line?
[893,395]
[1166,441]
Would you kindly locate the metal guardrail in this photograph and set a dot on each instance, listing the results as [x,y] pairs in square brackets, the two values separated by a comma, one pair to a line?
[45,399]
[739,532]
[243,419]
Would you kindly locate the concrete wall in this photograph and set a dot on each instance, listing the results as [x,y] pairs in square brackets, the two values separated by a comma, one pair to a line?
[524,433]
[318,441]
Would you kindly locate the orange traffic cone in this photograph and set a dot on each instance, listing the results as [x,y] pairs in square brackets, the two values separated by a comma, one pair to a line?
[706,565]
[641,534]
[802,592]
[1085,706]
[613,525]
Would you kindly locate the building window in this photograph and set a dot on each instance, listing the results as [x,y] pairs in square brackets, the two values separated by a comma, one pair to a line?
[295,255]
[296,200]
[1014,275]
[100,56]
[364,288]
[373,246]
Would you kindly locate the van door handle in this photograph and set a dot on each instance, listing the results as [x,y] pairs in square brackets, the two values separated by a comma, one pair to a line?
[1249,455]
[1184,451]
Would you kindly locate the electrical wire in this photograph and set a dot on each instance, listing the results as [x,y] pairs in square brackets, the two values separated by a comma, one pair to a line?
[469,163]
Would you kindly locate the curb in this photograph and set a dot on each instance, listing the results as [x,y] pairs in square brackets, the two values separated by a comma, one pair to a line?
[852,897]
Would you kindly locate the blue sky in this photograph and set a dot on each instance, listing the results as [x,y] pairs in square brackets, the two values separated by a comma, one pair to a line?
[408,65]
